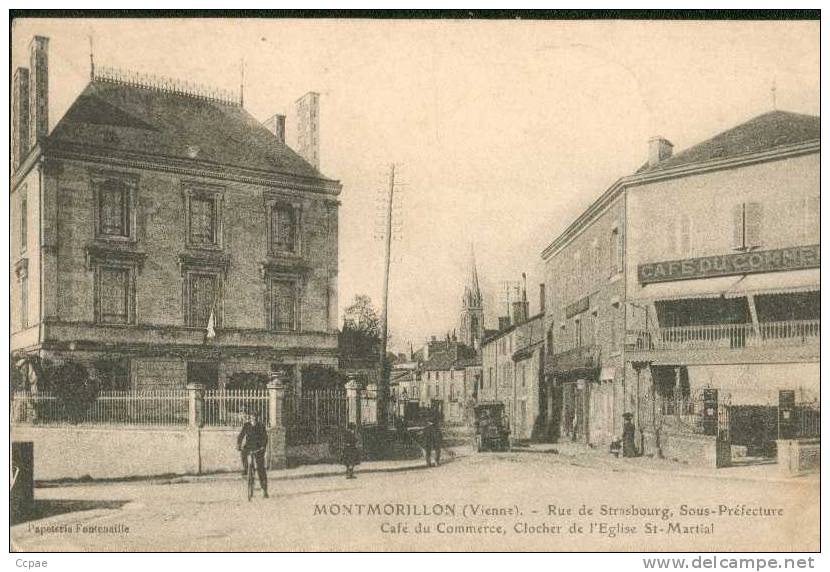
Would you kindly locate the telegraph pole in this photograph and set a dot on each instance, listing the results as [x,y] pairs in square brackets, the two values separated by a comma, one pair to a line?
[383,386]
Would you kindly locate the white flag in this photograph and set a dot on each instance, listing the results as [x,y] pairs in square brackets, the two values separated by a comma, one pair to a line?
[211,326]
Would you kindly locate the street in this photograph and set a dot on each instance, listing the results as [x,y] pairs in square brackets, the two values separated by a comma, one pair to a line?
[519,500]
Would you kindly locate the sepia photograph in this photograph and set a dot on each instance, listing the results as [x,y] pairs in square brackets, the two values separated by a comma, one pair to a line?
[415,282]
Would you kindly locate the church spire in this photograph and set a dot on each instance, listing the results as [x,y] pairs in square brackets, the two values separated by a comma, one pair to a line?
[472,312]
[472,291]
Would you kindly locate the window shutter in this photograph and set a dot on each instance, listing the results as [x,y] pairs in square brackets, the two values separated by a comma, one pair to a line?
[671,237]
[113,296]
[685,235]
[754,219]
[812,219]
[738,226]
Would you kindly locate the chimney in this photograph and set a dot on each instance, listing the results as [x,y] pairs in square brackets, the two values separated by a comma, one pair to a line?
[38,89]
[276,125]
[659,149]
[308,128]
[520,309]
[20,116]
[541,297]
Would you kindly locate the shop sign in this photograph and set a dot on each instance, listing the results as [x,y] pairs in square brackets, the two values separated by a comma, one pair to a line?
[795,258]
[577,307]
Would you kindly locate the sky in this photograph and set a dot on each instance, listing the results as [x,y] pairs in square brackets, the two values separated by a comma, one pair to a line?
[503,131]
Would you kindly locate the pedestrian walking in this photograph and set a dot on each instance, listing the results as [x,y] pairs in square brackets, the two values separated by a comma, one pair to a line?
[350,455]
[433,441]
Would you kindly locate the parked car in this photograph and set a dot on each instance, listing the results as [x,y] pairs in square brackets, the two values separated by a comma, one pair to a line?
[492,427]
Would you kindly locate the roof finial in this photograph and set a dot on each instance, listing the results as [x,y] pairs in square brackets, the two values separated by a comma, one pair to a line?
[91,60]
[241,82]
[773,89]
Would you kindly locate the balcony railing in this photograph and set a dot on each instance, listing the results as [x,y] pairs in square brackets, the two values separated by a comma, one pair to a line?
[726,336]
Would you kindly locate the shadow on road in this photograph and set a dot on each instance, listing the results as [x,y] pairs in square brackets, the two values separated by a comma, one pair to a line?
[53,507]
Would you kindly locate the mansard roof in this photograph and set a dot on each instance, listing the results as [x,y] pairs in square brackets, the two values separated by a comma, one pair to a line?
[115,117]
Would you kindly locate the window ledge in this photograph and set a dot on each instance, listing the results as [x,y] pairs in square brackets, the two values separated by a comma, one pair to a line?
[109,253]
[277,265]
[215,261]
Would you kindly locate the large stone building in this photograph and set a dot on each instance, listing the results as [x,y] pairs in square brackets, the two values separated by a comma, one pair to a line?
[162,236]
[698,272]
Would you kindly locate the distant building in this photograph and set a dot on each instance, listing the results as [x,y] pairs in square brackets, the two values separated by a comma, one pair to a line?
[512,372]
[699,272]
[162,236]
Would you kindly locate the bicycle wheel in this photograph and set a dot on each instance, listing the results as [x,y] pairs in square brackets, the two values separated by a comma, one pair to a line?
[251,478]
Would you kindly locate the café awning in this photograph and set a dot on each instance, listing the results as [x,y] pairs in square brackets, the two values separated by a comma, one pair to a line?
[689,289]
[808,280]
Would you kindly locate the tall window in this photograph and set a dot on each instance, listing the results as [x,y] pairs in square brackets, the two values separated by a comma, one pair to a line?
[747,220]
[24,222]
[113,295]
[283,228]
[283,305]
[203,220]
[114,216]
[24,301]
[202,298]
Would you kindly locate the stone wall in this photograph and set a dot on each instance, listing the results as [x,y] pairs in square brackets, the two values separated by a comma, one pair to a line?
[111,453]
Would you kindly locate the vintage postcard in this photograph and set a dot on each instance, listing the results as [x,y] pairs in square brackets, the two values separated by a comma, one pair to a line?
[401,284]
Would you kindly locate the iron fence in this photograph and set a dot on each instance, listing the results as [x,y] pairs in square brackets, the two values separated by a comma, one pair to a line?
[727,336]
[157,407]
[807,420]
[230,407]
[315,416]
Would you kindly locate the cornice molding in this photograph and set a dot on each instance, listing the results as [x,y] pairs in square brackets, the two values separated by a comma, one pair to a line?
[637,179]
[203,170]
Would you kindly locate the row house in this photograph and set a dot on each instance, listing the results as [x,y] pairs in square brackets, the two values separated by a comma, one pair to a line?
[512,372]
[162,235]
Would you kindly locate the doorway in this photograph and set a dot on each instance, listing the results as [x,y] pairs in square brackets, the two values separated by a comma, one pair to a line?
[203,372]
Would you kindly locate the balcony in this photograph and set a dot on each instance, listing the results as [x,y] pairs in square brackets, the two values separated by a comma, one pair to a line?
[766,341]
[576,358]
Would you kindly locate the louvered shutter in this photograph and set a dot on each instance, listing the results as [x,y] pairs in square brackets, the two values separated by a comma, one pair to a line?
[738,226]
[685,235]
[812,219]
[671,237]
[754,221]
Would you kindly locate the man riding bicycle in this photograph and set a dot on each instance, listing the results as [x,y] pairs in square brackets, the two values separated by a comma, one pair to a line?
[253,438]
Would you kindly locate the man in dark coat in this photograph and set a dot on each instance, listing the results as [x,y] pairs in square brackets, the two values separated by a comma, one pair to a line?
[254,438]
[350,455]
[433,441]
[629,448]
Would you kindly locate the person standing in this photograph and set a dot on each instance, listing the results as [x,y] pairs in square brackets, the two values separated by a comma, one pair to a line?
[350,455]
[433,441]
[253,438]
[629,448]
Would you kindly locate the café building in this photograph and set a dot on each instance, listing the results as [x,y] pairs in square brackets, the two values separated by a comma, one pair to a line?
[723,272]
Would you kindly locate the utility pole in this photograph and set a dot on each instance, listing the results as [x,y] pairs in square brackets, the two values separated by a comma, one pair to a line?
[383,387]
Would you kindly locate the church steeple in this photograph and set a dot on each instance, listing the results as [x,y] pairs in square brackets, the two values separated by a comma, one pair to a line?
[472,307]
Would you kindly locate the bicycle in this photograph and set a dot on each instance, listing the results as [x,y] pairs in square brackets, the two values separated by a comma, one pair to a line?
[251,471]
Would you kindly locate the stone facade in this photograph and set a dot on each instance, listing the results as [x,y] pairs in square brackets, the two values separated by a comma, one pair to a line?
[60,258]
[585,327]
[512,367]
